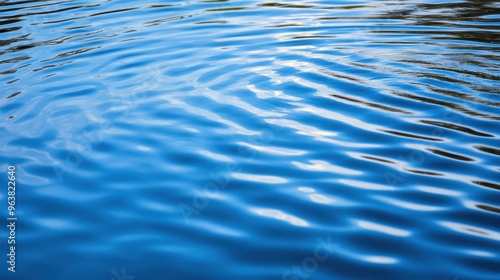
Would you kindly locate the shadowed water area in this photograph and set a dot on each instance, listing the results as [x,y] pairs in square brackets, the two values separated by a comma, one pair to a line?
[251,139]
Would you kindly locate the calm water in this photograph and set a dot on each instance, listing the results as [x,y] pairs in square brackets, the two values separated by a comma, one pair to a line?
[251,139]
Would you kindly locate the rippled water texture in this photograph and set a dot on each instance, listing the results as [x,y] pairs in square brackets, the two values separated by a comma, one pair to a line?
[251,139]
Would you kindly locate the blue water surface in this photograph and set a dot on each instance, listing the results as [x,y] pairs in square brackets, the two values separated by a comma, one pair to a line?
[251,139]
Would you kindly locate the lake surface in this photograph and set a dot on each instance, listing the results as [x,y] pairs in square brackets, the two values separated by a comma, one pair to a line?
[251,139]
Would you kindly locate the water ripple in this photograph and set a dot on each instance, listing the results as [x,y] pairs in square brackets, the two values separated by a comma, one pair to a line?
[252,140]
